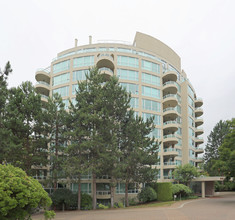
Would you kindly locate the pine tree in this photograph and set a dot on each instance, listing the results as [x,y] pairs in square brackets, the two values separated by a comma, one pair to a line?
[4,132]
[138,151]
[27,146]
[215,140]
[55,118]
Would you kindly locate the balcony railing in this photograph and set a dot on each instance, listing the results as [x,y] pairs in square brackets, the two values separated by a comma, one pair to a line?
[105,69]
[105,55]
[170,122]
[42,82]
[47,70]
[103,193]
[169,149]
[169,163]
[170,83]
[168,177]
[169,136]
[169,95]
[44,96]
[169,109]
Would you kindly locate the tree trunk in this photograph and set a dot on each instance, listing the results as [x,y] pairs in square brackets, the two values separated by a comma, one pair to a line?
[94,191]
[79,194]
[112,192]
[126,193]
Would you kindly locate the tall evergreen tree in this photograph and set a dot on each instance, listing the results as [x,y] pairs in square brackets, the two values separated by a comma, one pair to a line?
[27,146]
[226,161]
[55,118]
[99,106]
[138,151]
[4,132]
[215,140]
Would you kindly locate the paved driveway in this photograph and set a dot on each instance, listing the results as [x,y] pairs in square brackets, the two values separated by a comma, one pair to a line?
[216,208]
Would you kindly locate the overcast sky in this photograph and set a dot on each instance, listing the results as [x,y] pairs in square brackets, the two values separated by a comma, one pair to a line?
[201,32]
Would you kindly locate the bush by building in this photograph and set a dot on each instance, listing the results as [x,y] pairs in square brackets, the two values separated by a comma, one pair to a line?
[20,194]
[181,190]
[164,191]
[147,194]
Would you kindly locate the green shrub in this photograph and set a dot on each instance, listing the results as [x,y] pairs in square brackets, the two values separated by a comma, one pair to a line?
[62,197]
[101,206]
[147,195]
[224,186]
[20,194]
[86,201]
[180,189]
[49,215]
[153,185]
[132,201]
[120,205]
[164,191]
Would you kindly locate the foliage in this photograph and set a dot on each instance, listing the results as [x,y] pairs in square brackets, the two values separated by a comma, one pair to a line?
[226,162]
[27,144]
[62,197]
[133,201]
[215,140]
[147,194]
[19,194]
[184,174]
[164,191]
[49,215]
[101,206]
[86,201]
[224,186]
[181,189]
[54,119]
[120,205]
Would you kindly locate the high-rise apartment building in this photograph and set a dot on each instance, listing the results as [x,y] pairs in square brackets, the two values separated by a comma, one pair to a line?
[152,72]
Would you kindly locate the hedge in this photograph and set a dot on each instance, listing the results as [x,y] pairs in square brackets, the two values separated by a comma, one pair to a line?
[164,191]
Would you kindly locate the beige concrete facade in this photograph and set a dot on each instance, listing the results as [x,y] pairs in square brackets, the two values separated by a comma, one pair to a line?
[152,72]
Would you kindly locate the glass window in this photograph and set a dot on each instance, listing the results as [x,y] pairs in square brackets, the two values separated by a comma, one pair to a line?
[128,74]
[150,79]
[128,61]
[134,102]
[157,118]
[150,66]
[63,78]
[62,66]
[124,50]
[74,89]
[191,142]
[179,152]
[190,121]
[190,111]
[130,87]
[83,61]
[151,92]
[155,133]
[74,101]
[191,132]
[80,74]
[63,91]
[190,101]
[178,108]
[120,188]
[151,105]
[179,142]
[190,91]
[179,131]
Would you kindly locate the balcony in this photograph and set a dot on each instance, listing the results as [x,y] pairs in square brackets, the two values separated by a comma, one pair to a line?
[170,100]
[105,60]
[169,165]
[170,112]
[198,122]
[199,140]
[170,87]
[199,150]
[169,76]
[172,126]
[106,194]
[199,131]
[198,159]
[198,112]
[43,75]
[106,71]
[170,152]
[44,98]
[198,102]
[170,139]
[43,87]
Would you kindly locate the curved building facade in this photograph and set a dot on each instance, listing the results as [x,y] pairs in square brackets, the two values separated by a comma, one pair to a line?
[152,72]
